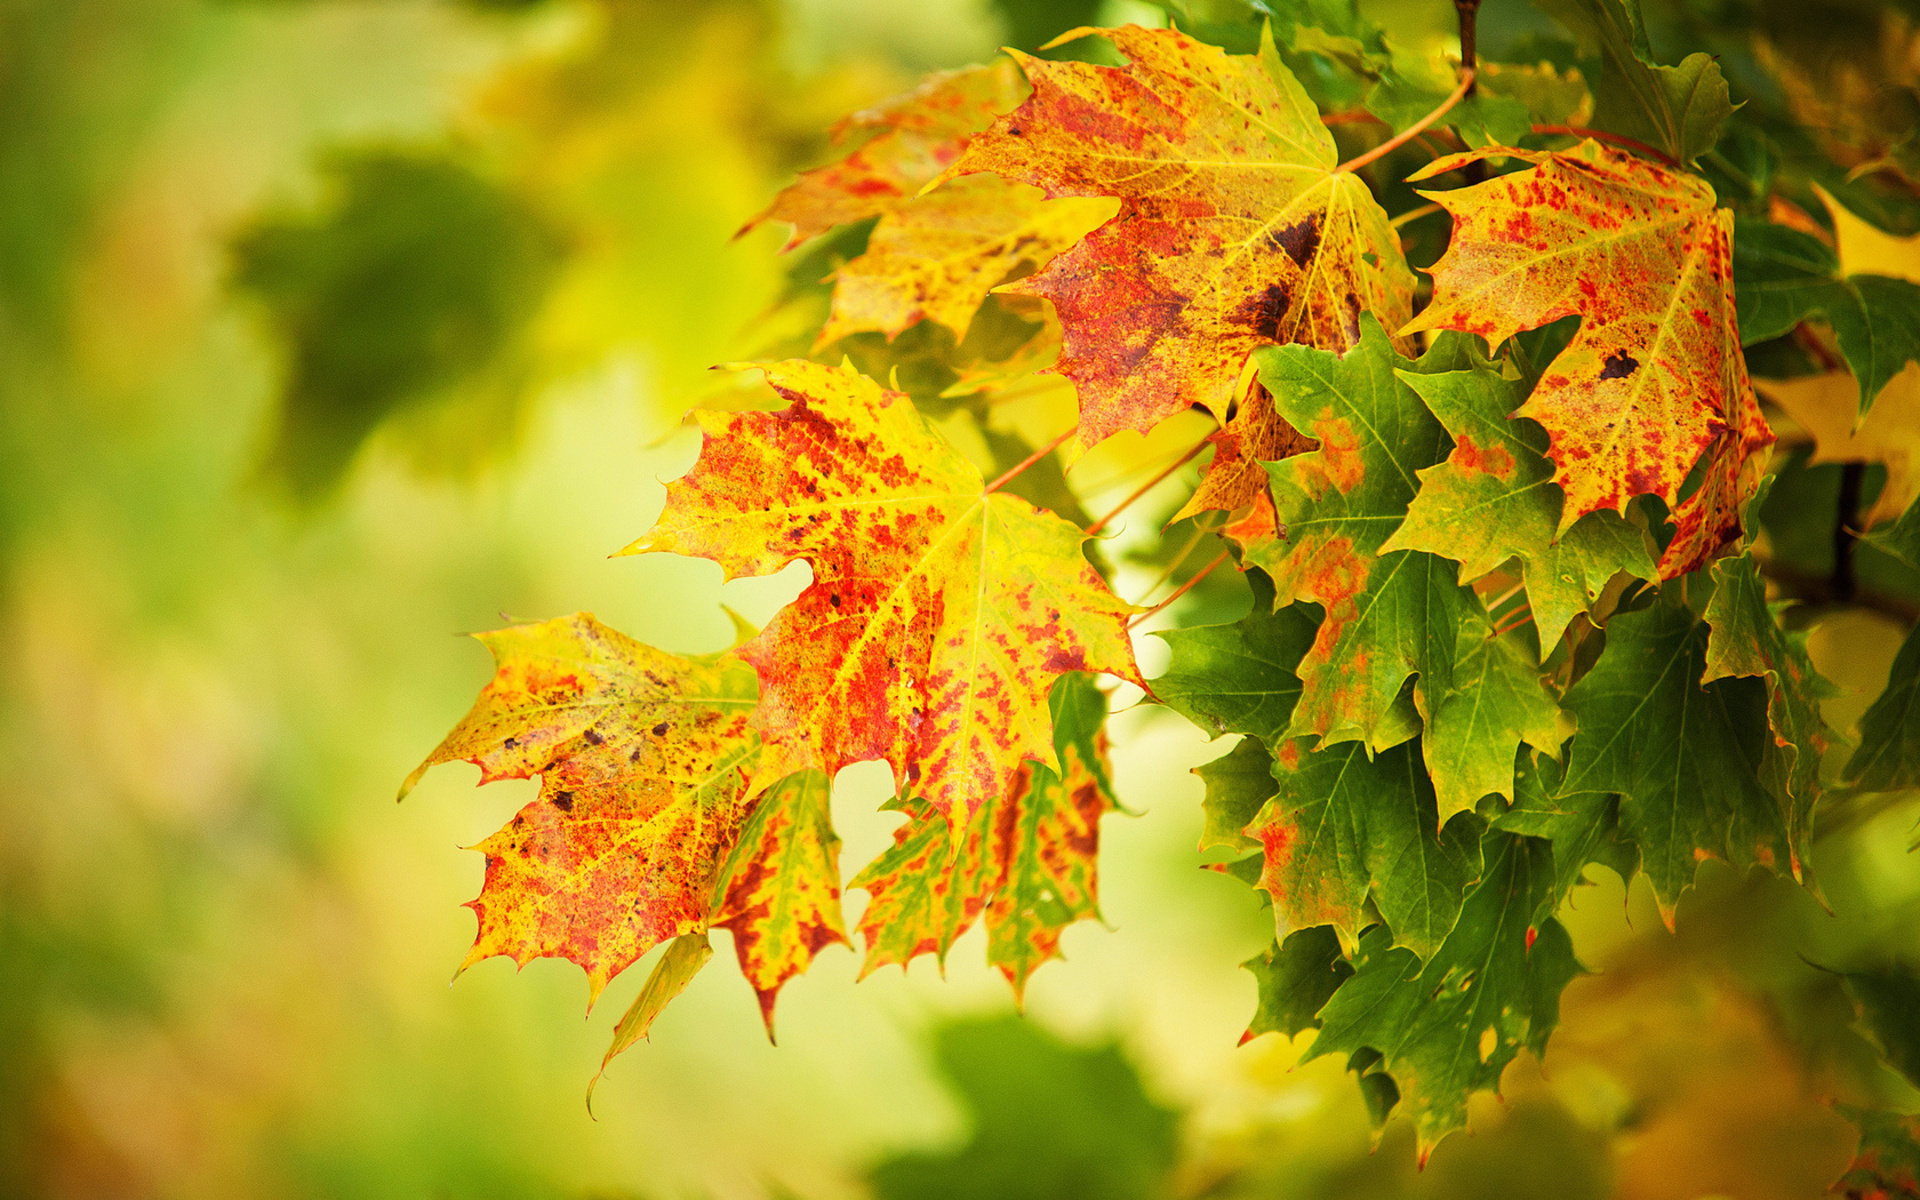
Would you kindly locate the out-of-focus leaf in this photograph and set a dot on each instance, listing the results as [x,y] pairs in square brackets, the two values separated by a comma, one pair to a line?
[1678,110]
[1825,406]
[1050,1121]
[1889,752]
[1889,1000]
[418,276]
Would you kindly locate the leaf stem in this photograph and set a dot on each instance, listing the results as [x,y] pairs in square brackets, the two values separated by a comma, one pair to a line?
[1183,589]
[1412,215]
[1412,131]
[1031,459]
[1148,486]
[1581,131]
[1173,564]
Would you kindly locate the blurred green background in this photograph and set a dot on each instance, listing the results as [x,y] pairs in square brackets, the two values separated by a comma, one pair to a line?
[330,330]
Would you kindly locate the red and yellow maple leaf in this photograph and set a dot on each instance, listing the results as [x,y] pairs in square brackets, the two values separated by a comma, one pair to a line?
[939,614]
[1237,474]
[642,758]
[909,140]
[1654,378]
[1235,230]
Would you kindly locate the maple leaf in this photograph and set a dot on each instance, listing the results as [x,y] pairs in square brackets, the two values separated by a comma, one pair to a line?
[1888,757]
[1581,827]
[1239,783]
[642,758]
[1295,977]
[1901,539]
[1240,678]
[935,257]
[1686,760]
[1746,639]
[1783,276]
[1493,703]
[1346,828]
[938,614]
[1654,377]
[1254,435]
[1499,972]
[1679,109]
[1234,229]
[686,956]
[1026,861]
[1494,499]
[908,140]
[1388,616]
[780,891]
[1823,405]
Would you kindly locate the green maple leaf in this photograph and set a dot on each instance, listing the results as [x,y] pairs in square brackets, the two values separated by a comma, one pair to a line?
[1748,640]
[1448,1028]
[1388,616]
[1581,827]
[1494,702]
[1888,757]
[1239,678]
[1345,829]
[1296,978]
[1676,109]
[1239,783]
[1494,499]
[1685,759]
[1782,276]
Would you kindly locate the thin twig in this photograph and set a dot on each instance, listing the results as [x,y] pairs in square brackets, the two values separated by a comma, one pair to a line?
[1182,590]
[1412,214]
[1031,459]
[1581,131]
[1148,486]
[1353,116]
[1412,131]
[1173,564]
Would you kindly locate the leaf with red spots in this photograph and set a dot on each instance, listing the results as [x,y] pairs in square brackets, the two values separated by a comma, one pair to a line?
[1654,378]
[1747,640]
[1254,435]
[935,257]
[1026,861]
[901,145]
[1346,828]
[642,758]
[938,616]
[780,891]
[1388,616]
[1687,760]
[1234,230]
[1446,1028]
[1494,499]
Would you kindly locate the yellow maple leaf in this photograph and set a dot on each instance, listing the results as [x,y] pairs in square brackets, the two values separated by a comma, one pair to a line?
[642,758]
[1826,407]
[1234,231]
[939,614]
[937,256]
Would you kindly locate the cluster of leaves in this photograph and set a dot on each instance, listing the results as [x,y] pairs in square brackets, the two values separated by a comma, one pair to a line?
[1513,610]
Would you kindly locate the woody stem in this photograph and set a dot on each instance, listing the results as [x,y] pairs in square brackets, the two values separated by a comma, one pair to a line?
[1031,459]
[1146,487]
[1412,131]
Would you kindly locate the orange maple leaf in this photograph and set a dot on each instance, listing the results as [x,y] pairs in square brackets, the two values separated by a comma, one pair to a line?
[939,614]
[1235,230]
[642,758]
[1237,475]
[1654,378]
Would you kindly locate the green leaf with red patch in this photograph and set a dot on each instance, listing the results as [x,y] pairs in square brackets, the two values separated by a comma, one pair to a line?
[1347,830]
[1494,499]
[1388,616]
[780,892]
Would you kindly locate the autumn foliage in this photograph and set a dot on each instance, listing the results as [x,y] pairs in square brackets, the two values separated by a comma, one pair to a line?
[1512,616]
